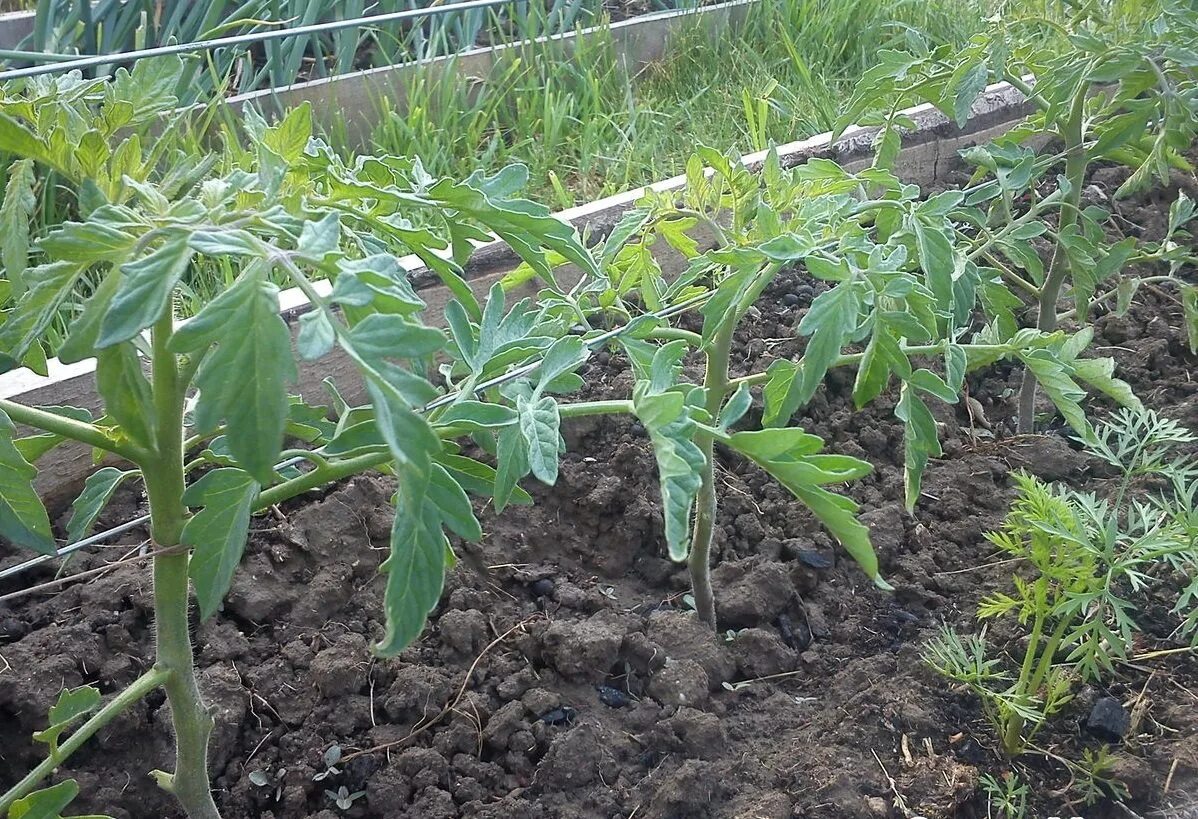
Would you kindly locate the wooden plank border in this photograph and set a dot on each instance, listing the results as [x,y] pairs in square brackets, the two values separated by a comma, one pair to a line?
[354,99]
[15,26]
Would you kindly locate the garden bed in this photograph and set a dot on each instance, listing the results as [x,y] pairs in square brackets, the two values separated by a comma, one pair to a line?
[350,104]
[564,676]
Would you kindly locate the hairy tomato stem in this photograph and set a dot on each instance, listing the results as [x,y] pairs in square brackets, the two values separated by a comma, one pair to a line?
[716,384]
[164,479]
[1076,163]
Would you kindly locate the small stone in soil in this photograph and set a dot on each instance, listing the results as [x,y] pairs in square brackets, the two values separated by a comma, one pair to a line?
[1108,719]
[790,299]
[612,697]
[558,716]
[970,752]
[542,587]
[814,559]
[798,640]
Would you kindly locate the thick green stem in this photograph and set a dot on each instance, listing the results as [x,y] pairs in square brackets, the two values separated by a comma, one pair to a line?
[672,333]
[164,487]
[137,689]
[1076,162]
[856,358]
[715,382]
[80,431]
[1033,97]
[582,409]
[335,471]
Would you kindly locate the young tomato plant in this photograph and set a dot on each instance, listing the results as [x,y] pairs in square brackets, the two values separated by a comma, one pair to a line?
[198,412]
[1113,84]
[1087,557]
[887,258]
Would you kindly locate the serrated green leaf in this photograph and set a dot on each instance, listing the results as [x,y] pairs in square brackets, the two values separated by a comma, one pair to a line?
[145,291]
[381,336]
[126,392]
[790,456]
[85,330]
[936,257]
[771,444]
[477,478]
[933,384]
[15,215]
[23,518]
[320,237]
[1189,303]
[563,356]
[1062,390]
[73,703]
[781,392]
[224,242]
[86,243]
[921,441]
[967,82]
[680,461]
[528,228]
[408,435]
[316,335]
[415,567]
[47,803]
[253,341]
[377,281]
[19,141]
[873,373]
[290,137]
[49,286]
[217,533]
[1100,374]
[451,501]
[736,407]
[540,424]
[829,323]
[355,438]
[512,464]
[629,224]
[956,363]
[97,491]
[477,415]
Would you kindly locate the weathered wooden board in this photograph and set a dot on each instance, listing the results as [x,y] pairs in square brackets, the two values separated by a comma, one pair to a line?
[355,100]
[15,26]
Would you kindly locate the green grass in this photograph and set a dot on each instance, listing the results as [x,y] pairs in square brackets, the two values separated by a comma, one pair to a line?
[585,129]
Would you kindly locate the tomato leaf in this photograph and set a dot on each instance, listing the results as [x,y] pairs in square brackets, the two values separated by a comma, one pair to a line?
[23,518]
[97,492]
[218,532]
[242,381]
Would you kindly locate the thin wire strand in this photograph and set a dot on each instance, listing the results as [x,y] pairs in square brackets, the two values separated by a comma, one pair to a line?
[444,400]
[99,537]
[93,61]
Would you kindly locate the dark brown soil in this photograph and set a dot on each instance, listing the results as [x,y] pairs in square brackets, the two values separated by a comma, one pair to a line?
[567,678]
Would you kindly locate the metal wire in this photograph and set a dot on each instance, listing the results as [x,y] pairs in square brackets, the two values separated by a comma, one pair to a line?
[99,537]
[444,400]
[244,39]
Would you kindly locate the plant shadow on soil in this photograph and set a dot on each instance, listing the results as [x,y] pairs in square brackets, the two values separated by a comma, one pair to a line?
[605,697]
